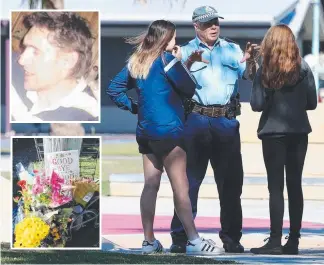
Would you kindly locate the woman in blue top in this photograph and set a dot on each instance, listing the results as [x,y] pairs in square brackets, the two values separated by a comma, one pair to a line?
[161,82]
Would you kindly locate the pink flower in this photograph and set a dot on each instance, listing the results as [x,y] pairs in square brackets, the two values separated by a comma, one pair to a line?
[37,189]
[56,180]
[38,186]
[46,180]
[56,197]
[16,199]
[56,184]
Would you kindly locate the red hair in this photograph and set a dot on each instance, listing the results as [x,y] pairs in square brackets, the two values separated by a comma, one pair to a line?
[281,59]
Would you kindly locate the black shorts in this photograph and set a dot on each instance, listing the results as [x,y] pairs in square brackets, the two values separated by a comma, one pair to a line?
[159,148]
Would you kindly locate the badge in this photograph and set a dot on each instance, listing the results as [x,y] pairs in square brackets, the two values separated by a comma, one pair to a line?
[208,9]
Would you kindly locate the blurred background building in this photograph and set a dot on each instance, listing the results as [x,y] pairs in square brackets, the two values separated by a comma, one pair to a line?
[244,21]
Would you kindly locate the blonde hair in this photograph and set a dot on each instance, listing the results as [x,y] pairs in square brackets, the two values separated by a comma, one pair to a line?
[149,46]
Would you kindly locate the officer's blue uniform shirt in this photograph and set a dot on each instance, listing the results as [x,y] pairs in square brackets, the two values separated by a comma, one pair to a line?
[217,79]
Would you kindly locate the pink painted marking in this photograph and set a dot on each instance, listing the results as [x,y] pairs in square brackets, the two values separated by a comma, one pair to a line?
[131,224]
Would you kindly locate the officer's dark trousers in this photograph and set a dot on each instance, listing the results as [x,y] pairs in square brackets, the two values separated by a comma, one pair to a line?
[217,140]
[279,153]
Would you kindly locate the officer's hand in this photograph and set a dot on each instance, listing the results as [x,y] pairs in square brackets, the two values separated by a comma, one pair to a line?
[176,52]
[196,56]
[250,52]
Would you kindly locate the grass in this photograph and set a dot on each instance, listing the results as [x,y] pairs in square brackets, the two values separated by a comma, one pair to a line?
[95,257]
[117,166]
[120,149]
[92,163]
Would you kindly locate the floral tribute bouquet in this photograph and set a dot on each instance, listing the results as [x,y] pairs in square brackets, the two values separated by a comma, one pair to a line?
[30,232]
[45,215]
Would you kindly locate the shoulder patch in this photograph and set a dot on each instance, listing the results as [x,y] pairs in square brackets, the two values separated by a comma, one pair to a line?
[230,43]
[229,40]
[186,43]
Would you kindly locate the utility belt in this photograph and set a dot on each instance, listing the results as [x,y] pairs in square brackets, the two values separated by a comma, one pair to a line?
[210,111]
[230,110]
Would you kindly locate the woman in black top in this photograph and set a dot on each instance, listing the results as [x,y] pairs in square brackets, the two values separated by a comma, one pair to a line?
[283,90]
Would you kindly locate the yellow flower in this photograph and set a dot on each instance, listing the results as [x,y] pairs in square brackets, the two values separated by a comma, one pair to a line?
[30,232]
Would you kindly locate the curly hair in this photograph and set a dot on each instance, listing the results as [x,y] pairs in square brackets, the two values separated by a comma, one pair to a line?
[70,32]
[281,59]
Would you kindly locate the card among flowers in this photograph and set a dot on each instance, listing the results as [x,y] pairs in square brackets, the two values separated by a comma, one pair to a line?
[65,165]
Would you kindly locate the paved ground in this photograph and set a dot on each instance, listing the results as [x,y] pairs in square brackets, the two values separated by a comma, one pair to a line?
[122,228]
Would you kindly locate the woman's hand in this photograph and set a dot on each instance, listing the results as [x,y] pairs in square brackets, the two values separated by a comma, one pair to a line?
[176,52]
[251,52]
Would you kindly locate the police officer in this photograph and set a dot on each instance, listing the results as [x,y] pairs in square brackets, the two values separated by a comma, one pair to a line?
[212,131]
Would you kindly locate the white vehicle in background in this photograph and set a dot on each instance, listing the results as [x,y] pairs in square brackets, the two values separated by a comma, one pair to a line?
[319,66]
[321,91]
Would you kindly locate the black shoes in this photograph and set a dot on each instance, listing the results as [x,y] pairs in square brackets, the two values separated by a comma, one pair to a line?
[178,248]
[232,246]
[291,247]
[272,247]
[179,242]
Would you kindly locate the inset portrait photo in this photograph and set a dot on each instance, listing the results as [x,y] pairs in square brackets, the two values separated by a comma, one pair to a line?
[55,67]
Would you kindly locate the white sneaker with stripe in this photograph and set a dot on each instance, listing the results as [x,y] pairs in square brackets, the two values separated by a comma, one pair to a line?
[152,248]
[203,247]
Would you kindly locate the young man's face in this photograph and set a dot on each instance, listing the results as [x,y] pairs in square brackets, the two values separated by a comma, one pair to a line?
[43,62]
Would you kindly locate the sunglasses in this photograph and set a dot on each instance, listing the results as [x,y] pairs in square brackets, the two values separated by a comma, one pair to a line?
[209,23]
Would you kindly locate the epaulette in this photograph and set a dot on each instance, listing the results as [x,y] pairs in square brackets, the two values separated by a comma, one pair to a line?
[229,40]
[186,43]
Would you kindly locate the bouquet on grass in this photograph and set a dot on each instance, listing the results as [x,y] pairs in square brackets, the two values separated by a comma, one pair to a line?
[39,223]
[51,207]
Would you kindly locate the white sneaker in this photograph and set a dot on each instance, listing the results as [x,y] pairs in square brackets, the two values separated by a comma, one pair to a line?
[203,247]
[152,248]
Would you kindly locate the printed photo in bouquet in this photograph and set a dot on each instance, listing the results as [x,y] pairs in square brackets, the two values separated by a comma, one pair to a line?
[56,192]
[55,59]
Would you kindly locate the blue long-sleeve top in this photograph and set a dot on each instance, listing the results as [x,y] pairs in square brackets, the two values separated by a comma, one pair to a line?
[159,108]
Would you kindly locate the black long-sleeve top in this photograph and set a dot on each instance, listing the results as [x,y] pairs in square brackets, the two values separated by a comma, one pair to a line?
[284,110]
